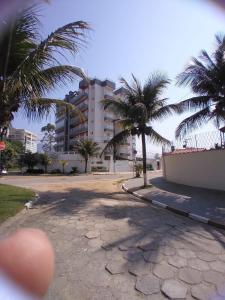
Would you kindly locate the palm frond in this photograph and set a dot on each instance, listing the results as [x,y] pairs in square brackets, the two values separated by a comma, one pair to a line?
[69,37]
[37,108]
[155,137]
[40,82]
[198,102]
[194,121]
[165,111]
[117,139]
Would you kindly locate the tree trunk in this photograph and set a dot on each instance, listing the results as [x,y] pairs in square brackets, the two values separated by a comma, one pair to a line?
[86,161]
[144,158]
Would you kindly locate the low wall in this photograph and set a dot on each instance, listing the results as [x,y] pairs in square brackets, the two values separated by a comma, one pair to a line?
[200,169]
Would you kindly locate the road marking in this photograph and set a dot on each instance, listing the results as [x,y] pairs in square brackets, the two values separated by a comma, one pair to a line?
[159,204]
[198,218]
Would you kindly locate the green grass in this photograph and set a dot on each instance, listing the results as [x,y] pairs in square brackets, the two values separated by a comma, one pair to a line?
[12,200]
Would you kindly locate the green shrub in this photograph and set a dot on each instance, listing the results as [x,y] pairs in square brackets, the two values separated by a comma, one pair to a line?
[35,171]
[99,169]
[56,171]
[74,170]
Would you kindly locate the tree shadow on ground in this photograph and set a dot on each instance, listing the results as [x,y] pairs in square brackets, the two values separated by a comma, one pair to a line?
[142,231]
[205,202]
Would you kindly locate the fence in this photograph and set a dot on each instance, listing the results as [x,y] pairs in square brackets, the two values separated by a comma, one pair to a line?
[198,142]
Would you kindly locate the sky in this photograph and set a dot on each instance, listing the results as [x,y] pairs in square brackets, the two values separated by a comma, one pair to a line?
[139,37]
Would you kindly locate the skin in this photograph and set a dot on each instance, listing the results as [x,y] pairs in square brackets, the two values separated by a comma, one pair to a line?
[27,257]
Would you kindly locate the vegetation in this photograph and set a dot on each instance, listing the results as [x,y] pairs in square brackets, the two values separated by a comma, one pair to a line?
[12,200]
[206,77]
[29,65]
[63,163]
[87,149]
[48,139]
[11,155]
[30,160]
[141,107]
[45,160]
[138,170]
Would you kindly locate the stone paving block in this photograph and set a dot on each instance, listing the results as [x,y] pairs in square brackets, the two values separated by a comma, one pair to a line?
[198,264]
[206,256]
[167,250]
[190,275]
[185,253]
[139,268]
[218,266]
[164,271]
[214,277]
[173,289]
[153,257]
[156,297]
[148,284]
[203,292]
[222,257]
[148,246]
[178,262]
[92,234]
[116,267]
[221,290]
[133,255]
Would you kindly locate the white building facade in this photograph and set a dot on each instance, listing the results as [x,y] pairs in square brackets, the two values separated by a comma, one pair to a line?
[26,137]
[95,123]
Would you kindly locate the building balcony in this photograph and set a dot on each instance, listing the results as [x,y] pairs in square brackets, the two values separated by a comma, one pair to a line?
[78,98]
[108,128]
[110,97]
[107,118]
[76,131]
[59,130]
[83,107]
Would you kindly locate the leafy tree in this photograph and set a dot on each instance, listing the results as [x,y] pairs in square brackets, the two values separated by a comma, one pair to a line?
[64,163]
[48,139]
[87,149]
[45,160]
[141,106]
[11,155]
[30,160]
[206,77]
[29,65]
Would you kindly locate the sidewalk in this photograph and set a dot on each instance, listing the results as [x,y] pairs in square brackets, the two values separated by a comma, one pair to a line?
[204,203]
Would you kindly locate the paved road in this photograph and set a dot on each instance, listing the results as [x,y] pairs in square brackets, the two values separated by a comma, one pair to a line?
[110,246]
[206,203]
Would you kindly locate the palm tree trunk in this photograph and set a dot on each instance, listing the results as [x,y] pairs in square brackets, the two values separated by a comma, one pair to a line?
[86,161]
[144,158]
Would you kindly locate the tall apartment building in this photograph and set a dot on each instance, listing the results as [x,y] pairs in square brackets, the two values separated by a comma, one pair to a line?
[27,138]
[99,125]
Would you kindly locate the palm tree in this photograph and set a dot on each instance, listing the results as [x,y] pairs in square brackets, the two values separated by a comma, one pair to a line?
[141,106]
[87,149]
[64,163]
[30,67]
[45,160]
[206,77]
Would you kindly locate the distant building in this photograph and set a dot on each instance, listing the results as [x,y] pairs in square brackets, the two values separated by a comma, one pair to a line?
[28,138]
[97,124]
[40,148]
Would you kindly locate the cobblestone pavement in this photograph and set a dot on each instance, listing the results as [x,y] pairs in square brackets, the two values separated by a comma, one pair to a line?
[109,245]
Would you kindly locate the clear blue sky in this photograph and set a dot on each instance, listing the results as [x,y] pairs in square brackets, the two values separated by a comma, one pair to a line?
[136,36]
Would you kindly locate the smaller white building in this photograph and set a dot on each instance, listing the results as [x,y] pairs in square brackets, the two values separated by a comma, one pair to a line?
[26,137]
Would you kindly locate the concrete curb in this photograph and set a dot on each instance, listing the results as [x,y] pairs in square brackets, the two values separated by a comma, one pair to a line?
[178,211]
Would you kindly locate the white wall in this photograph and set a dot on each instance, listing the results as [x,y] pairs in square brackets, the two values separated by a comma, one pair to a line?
[201,169]
[75,160]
